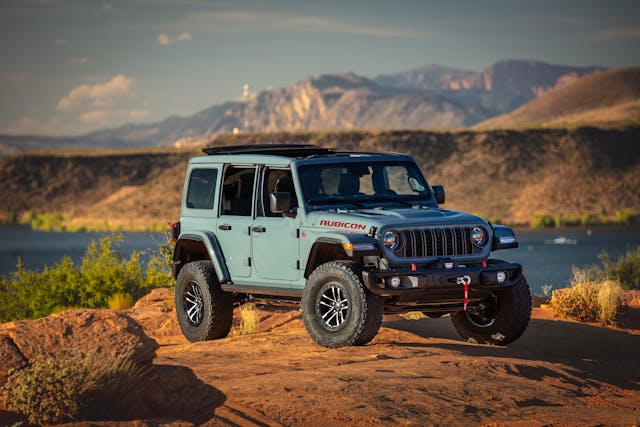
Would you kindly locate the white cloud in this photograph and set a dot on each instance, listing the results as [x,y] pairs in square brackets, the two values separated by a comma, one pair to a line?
[624,33]
[242,21]
[96,95]
[94,117]
[184,37]
[138,114]
[79,61]
[165,40]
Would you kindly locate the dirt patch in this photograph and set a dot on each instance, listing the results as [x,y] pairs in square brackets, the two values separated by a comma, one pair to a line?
[420,372]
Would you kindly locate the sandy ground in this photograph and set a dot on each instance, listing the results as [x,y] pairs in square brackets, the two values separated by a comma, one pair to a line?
[419,372]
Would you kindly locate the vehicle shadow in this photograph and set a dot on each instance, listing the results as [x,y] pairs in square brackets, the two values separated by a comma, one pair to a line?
[168,393]
[595,353]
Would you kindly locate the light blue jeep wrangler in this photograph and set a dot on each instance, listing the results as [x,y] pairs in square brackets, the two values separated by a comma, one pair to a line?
[347,236]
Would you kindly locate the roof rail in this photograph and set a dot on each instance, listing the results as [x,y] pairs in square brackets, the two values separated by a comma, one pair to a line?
[285,150]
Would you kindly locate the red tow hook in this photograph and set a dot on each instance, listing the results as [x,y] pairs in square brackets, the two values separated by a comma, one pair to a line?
[465,281]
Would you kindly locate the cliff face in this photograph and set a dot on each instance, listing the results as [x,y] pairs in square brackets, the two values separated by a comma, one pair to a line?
[525,79]
[501,174]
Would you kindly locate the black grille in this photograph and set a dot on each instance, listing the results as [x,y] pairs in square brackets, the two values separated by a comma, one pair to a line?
[434,242]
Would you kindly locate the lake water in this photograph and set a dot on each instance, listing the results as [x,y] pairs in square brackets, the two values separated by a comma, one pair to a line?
[547,256]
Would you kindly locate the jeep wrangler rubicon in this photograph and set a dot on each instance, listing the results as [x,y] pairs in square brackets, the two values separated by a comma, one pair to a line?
[347,236]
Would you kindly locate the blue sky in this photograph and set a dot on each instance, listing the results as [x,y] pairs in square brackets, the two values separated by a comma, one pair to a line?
[72,66]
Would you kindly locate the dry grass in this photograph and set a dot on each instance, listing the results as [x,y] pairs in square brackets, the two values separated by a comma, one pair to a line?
[121,301]
[248,319]
[588,300]
[413,315]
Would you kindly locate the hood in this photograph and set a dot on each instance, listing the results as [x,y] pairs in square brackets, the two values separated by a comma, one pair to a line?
[361,220]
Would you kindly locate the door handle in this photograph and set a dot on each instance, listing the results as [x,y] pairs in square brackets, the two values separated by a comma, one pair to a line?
[259,229]
[225,227]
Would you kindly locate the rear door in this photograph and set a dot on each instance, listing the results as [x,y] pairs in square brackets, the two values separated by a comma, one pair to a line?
[234,222]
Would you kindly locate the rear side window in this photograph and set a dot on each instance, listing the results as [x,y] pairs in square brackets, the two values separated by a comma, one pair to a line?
[237,191]
[202,188]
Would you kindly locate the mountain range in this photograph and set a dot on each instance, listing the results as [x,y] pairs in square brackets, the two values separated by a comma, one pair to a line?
[429,97]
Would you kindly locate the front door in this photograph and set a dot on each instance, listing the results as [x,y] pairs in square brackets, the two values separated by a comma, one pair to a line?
[275,246]
[234,222]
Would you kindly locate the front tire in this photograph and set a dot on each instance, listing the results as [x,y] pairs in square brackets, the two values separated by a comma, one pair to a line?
[504,318]
[336,307]
[205,311]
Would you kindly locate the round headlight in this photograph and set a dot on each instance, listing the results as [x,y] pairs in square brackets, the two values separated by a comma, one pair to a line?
[479,236]
[391,239]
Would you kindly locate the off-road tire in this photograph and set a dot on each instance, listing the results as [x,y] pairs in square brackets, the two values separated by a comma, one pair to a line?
[513,314]
[217,305]
[364,315]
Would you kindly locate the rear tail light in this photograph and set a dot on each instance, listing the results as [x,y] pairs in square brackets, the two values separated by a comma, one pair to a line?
[175,231]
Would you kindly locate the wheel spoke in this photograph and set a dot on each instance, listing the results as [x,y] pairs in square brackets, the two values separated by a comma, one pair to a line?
[326,304]
[335,313]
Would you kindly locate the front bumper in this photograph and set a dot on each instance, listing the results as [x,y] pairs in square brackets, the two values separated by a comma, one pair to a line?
[441,283]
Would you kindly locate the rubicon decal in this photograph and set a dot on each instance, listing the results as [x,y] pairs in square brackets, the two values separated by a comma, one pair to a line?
[340,224]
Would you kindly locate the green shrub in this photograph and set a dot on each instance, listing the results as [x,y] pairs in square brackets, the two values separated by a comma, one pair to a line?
[588,220]
[159,264]
[627,217]
[70,388]
[626,270]
[542,221]
[103,272]
[566,221]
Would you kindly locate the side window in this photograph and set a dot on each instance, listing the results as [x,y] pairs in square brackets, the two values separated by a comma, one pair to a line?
[276,180]
[237,191]
[202,188]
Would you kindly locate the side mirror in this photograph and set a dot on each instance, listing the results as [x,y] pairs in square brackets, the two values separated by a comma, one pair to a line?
[279,202]
[438,190]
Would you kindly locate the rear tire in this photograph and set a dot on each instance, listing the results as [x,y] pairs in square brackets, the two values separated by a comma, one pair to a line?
[504,319]
[336,307]
[204,310]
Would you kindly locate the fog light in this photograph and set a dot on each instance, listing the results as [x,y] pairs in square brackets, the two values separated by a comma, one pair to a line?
[501,276]
[394,282]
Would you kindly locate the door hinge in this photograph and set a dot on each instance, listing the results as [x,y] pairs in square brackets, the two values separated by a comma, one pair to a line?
[298,265]
[297,233]
[249,261]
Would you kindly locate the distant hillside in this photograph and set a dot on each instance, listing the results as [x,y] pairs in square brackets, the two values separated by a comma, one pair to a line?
[499,88]
[430,97]
[604,97]
[502,174]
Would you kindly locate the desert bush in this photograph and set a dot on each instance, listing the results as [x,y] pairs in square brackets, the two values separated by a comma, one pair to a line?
[102,273]
[587,299]
[120,301]
[70,388]
[248,319]
[160,262]
[546,291]
[542,221]
[627,217]
[625,270]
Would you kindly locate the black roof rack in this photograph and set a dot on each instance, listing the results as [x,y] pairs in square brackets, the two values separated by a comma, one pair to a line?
[285,150]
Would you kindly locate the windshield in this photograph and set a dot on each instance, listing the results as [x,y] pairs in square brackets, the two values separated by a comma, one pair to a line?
[361,183]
